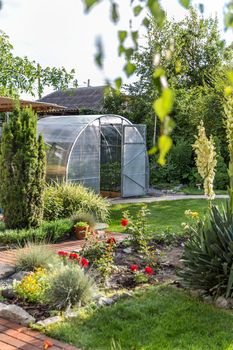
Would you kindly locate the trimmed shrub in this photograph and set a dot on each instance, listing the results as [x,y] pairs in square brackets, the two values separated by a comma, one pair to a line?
[208,255]
[69,285]
[22,171]
[34,256]
[63,200]
[53,231]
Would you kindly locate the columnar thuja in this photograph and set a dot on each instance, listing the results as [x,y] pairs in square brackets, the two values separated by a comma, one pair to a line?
[22,170]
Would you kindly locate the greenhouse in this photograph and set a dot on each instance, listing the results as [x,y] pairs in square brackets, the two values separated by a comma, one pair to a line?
[104,152]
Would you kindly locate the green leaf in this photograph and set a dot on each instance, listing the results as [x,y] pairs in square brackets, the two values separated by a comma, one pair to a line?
[90,3]
[100,53]
[115,12]
[201,8]
[129,68]
[164,104]
[118,83]
[228,20]
[156,11]
[185,3]
[152,151]
[159,72]
[134,36]
[122,35]
[146,22]
[129,53]
[121,50]
[137,10]
[165,144]
[229,75]
[178,66]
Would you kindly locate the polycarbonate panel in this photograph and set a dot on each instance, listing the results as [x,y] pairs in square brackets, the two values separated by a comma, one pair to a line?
[134,161]
[110,171]
[84,161]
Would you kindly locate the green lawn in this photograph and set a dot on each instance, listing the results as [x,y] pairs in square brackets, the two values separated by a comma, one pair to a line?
[164,214]
[160,318]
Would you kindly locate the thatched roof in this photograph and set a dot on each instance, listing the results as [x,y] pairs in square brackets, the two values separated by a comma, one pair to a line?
[90,98]
[7,104]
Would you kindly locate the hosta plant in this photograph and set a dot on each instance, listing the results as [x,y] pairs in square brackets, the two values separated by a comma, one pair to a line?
[208,254]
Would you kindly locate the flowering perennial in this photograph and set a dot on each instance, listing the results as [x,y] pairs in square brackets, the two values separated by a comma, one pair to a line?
[134,267]
[124,222]
[205,160]
[111,240]
[75,257]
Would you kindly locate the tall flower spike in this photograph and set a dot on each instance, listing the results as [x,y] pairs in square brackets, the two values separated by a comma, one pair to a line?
[205,160]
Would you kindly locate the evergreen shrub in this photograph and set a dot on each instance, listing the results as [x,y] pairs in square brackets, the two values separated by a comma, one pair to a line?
[22,170]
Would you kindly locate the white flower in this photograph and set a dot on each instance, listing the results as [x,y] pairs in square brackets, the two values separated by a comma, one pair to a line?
[205,160]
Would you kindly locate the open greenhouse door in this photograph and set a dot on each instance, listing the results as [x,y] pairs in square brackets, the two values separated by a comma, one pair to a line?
[134,180]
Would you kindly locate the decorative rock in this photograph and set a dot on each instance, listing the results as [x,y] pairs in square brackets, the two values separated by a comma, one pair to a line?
[196,293]
[16,314]
[72,314]
[221,302]
[104,301]
[8,293]
[6,270]
[128,250]
[18,276]
[207,299]
[48,321]
[125,295]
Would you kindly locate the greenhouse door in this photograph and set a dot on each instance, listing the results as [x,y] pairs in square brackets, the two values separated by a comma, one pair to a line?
[134,161]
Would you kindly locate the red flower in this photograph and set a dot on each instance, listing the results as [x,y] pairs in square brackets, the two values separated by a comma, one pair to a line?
[149,270]
[124,222]
[73,256]
[111,240]
[134,267]
[84,262]
[62,253]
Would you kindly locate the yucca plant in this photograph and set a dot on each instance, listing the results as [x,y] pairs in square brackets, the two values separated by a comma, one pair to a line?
[208,255]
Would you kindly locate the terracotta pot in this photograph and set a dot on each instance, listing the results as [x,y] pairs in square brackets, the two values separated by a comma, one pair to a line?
[80,232]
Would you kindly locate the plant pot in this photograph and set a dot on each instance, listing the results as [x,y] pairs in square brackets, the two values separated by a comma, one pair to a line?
[80,232]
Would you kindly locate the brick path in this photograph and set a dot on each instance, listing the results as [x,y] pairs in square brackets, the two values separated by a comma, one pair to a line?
[13,336]
[8,256]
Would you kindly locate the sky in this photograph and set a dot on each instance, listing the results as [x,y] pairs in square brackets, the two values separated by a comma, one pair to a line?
[59,33]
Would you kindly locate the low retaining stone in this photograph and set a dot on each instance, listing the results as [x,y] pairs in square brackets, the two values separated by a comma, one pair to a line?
[16,314]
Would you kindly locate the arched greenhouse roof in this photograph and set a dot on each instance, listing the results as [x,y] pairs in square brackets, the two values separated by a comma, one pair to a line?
[90,149]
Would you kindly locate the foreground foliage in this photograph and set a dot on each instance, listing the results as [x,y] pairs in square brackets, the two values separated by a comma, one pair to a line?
[65,199]
[159,318]
[208,255]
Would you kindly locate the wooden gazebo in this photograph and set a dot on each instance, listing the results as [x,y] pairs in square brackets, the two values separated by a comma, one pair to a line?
[7,104]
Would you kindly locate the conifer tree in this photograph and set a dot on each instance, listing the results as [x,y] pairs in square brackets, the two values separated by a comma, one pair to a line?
[22,170]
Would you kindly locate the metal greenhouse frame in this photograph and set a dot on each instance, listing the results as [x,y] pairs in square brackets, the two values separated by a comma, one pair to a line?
[104,152]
